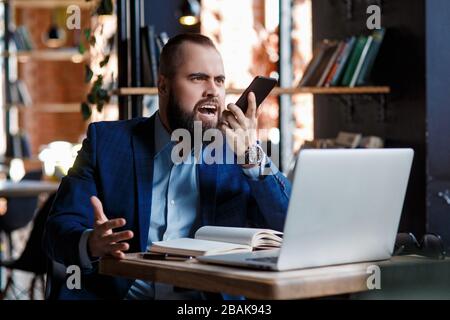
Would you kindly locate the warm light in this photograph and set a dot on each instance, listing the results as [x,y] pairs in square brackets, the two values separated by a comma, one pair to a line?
[58,155]
[23,58]
[16,169]
[54,43]
[274,135]
[189,12]
[188,20]
[77,58]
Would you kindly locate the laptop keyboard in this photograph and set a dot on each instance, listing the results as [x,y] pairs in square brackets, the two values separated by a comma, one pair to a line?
[264,259]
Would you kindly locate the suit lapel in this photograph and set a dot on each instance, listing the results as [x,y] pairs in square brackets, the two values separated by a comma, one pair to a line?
[143,151]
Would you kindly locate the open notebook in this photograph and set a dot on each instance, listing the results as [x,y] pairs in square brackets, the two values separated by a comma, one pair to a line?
[209,240]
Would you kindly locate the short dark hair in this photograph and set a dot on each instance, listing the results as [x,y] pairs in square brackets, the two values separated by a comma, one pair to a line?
[171,51]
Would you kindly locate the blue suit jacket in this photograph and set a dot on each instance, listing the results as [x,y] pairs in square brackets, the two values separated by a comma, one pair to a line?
[116,164]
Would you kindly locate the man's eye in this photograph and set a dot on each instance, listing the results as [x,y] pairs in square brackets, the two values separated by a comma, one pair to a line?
[221,81]
[197,79]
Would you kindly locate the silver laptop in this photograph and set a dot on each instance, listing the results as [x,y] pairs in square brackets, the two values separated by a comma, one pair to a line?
[345,207]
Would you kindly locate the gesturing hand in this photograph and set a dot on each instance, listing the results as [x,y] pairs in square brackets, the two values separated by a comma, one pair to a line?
[102,240]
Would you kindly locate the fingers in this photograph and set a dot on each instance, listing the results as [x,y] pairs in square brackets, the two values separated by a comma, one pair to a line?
[118,254]
[99,215]
[118,236]
[251,110]
[259,111]
[111,224]
[122,246]
[114,249]
[237,114]
[231,120]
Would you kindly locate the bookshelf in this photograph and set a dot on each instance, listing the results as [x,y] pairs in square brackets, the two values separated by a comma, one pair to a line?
[414,62]
[48,55]
[55,96]
[49,107]
[51,4]
[128,91]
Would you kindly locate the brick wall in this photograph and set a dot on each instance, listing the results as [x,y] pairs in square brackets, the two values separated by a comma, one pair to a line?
[51,82]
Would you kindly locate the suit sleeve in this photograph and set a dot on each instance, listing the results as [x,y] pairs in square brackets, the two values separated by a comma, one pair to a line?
[270,196]
[72,212]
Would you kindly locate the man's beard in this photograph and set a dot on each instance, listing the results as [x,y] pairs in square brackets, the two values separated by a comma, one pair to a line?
[180,119]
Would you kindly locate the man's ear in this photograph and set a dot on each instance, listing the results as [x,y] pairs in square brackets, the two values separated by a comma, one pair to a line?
[162,85]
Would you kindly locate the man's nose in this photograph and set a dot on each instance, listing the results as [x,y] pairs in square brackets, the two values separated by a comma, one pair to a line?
[211,89]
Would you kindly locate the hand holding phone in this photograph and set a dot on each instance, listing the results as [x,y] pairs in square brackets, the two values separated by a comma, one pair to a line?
[261,87]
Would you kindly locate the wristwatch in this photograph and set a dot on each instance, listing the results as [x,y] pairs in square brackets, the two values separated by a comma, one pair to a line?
[254,155]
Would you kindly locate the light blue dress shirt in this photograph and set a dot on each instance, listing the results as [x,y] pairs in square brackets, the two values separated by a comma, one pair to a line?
[175,208]
[175,211]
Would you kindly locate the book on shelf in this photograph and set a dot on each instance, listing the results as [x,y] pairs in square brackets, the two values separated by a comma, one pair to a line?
[342,61]
[353,61]
[18,145]
[161,40]
[319,64]
[19,94]
[149,57]
[22,39]
[331,62]
[362,58]
[334,64]
[312,65]
[210,240]
[347,63]
[366,69]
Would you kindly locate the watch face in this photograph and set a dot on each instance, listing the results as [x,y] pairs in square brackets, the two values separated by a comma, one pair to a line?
[253,155]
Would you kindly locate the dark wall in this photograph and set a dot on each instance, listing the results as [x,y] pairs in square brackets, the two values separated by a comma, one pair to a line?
[438,116]
[164,16]
[401,65]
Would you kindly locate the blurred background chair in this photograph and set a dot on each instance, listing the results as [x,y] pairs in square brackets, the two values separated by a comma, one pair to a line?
[20,212]
[56,275]
[33,258]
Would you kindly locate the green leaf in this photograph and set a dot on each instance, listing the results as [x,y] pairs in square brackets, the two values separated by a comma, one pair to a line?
[108,6]
[105,7]
[92,98]
[104,62]
[94,90]
[86,111]
[87,33]
[99,79]
[100,106]
[102,94]
[97,84]
[81,48]
[88,74]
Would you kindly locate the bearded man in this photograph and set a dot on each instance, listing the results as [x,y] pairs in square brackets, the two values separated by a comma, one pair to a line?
[125,192]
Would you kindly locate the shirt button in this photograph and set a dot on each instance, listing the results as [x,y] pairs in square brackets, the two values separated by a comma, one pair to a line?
[172,202]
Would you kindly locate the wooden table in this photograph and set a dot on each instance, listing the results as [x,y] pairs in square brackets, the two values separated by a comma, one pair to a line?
[26,188]
[296,284]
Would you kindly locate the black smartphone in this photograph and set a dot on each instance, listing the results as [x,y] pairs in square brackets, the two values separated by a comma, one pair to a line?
[261,87]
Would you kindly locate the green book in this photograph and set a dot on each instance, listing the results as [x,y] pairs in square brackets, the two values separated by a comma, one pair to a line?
[363,78]
[362,58]
[353,61]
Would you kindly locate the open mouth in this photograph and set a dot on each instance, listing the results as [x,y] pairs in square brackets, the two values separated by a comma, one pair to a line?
[208,109]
